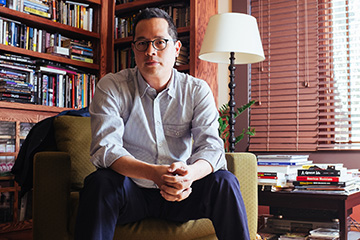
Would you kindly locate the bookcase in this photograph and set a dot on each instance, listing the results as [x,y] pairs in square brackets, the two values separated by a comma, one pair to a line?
[16,118]
[193,31]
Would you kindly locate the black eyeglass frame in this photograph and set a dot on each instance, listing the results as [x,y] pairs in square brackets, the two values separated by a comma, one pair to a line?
[152,43]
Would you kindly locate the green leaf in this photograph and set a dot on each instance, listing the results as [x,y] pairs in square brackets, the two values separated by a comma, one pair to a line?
[224,123]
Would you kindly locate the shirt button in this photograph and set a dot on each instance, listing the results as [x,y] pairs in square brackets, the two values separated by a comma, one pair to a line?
[177,133]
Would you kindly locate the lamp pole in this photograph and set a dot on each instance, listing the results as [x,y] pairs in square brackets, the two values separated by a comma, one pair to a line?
[232,85]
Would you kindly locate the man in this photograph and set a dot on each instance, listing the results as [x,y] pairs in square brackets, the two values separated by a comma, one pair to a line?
[156,145]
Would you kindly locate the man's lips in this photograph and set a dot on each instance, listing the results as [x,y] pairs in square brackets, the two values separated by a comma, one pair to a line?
[152,62]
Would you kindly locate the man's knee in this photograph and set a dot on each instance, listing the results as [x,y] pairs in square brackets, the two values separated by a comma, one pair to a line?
[103,178]
[224,180]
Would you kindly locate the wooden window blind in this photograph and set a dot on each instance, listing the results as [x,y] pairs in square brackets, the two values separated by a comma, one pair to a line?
[308,86]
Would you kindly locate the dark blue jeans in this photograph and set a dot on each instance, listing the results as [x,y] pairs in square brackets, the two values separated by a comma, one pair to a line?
[109,198]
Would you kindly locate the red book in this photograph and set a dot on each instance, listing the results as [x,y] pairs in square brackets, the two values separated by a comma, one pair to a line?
[73,91]
[267,177]
[319,179]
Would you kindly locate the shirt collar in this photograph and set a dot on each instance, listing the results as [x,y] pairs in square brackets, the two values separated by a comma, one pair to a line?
[144,86]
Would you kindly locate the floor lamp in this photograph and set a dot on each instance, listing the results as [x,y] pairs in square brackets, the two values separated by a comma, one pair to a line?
[233,36]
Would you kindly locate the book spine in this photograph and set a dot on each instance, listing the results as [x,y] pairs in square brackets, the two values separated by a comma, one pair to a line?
[306,172]
[277,163]
[267,174]
[305,183]
[36,12]
[83,59]
[317,178]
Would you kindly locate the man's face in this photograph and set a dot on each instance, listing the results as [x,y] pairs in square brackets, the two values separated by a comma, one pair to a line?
[154,64]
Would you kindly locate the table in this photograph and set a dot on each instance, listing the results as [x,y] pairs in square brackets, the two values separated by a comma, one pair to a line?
[341,203]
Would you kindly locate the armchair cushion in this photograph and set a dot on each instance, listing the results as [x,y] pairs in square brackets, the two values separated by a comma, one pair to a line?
[73,135]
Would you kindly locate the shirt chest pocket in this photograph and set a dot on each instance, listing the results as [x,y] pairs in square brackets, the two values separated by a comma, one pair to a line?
[177,131]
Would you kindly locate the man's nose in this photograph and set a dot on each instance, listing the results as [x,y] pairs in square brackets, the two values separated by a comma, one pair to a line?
[150,49]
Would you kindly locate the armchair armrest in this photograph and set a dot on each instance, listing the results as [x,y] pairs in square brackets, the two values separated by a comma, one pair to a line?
[51,195]
[244,167]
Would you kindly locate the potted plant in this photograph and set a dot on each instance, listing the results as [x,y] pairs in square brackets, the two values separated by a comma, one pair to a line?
[224,124]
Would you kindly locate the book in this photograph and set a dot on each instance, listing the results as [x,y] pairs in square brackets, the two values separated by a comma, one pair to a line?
[347,189]
[325,233]
[322,179]
[319,172]
[83,59]
[58,50]
[318,183]
[82,52]
[283,158]
[269,163]
[51,70]
[36,12]
[324,165]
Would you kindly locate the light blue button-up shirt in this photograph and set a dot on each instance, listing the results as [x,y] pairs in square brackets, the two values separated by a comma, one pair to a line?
[128,117]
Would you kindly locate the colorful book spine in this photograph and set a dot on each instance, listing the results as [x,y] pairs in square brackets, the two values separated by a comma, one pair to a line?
[318,179]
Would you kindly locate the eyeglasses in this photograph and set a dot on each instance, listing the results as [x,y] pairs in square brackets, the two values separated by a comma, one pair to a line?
[159,44]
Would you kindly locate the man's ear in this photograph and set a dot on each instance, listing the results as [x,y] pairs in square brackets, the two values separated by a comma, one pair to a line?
[177,47]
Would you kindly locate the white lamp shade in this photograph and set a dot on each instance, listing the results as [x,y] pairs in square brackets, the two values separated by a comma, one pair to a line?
[232,32]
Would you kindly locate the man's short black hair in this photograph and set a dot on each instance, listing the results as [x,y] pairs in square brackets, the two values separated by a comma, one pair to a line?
[149,13]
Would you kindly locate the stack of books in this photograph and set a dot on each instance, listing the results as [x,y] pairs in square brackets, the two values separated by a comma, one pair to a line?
[79,50]
[328,178]
[279,171]
[16,79]
[38,8]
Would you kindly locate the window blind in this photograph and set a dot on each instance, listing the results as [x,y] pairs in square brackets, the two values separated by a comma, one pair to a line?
[285,84]
[339,75]
[307,89]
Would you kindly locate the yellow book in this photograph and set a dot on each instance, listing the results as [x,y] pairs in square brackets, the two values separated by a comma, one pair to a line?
[36,12]
[83,59]
[6,33]
[27,38]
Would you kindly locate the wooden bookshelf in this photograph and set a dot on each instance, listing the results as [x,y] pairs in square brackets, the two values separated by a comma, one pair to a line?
[18,113]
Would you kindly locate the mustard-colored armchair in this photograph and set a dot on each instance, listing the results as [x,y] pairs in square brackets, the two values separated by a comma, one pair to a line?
[59,175]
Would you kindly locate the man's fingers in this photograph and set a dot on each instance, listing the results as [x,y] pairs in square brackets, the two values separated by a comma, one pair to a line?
[179,197]
[179,168]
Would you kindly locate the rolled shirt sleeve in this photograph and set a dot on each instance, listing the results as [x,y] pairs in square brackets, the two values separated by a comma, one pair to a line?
[107,124]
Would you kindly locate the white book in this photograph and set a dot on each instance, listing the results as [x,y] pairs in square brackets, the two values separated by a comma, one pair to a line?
[77,3]
[283,158]
[90,25]
[51,70]
[337,166]
[16,67]
[287,169]
[21,7]
[1,30]
[86,20]
[34,46]
[61,90]
[40,40]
